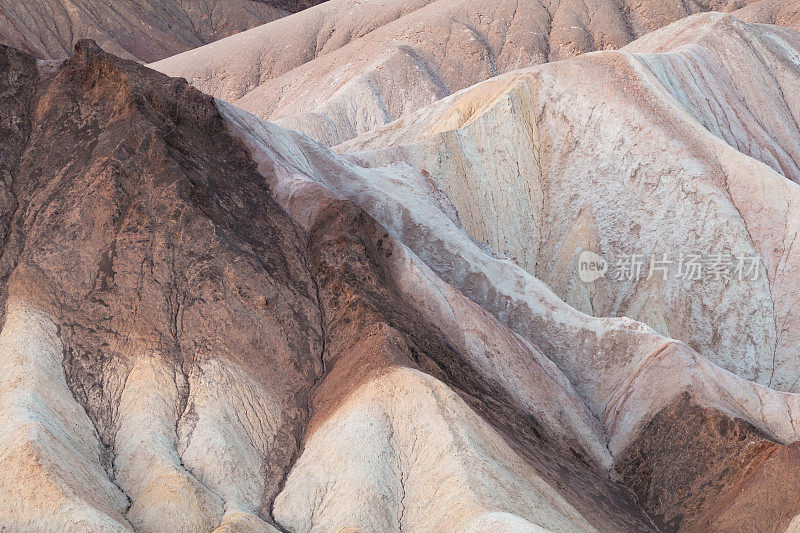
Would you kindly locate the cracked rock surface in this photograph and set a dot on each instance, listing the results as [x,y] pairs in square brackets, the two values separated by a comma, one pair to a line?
[188,316]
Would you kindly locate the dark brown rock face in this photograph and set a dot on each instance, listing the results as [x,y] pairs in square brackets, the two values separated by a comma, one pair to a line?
[134,218]
[291,6]
[765,500]
[697,469]
[18,82]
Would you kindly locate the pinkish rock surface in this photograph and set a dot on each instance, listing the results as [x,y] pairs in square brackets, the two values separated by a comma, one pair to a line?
[145,30]
[210,322]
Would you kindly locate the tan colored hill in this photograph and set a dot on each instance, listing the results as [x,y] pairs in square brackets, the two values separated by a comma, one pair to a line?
[347,66]
[145,30]
[689,157]
[165,365]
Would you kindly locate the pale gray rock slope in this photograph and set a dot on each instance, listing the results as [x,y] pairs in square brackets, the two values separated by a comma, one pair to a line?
[144,30]
[48,443]
[453,469]
[690,157]
[624,371]
[347,66]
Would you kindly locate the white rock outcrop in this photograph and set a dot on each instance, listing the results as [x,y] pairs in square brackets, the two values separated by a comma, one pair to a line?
[644,174]
[50,454]
[163,493]
[405,452]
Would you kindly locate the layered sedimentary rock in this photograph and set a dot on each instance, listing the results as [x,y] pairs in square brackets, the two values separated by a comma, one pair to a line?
[345,67]
[214,323]
[781,12]
[185,424]
[146,31]
[690,159]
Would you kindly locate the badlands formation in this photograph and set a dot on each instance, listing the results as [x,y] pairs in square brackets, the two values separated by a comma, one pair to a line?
[366,314]
[346,66]
[144,30]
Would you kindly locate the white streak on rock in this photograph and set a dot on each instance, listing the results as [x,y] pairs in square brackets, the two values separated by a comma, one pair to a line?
[52,478]
[164,496]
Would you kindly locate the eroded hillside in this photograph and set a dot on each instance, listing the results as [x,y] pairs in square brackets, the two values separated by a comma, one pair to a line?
[146,30]
[346,66]
[211,322]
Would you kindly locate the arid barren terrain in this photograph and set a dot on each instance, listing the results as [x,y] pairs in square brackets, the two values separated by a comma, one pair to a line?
[400,265]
